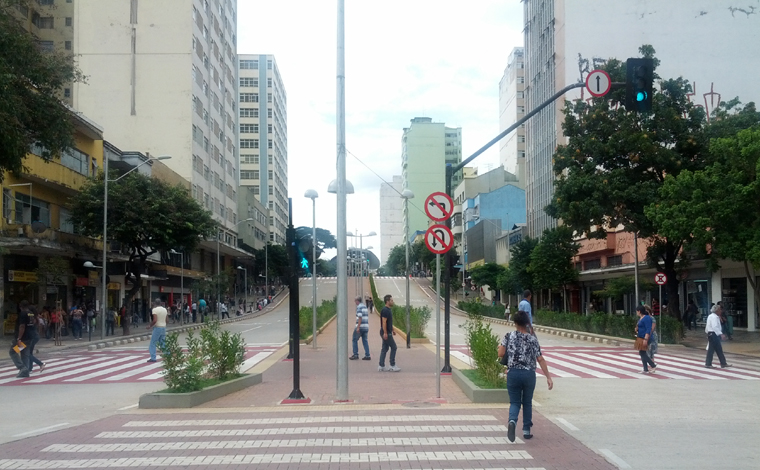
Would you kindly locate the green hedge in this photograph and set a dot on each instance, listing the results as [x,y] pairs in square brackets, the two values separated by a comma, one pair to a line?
[418,316]
[327,310]
[622,326]
[474,307]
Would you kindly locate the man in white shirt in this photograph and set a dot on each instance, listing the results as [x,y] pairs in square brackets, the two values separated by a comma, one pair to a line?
[159,328]
[714,334]
[524,306]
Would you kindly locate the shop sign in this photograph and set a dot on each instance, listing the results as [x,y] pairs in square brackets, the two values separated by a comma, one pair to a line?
[114,286]
[21,276]
[82,282]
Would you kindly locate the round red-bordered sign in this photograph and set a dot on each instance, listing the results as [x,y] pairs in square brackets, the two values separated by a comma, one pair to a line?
[660,279]
[439,206]
[439,239]
[598,83]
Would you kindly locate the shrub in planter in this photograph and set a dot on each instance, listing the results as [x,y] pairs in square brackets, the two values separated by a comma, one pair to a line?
[325,311]
[598,323]
[483,346]
[223,351]
[183,372]
[476,308]
[672,330]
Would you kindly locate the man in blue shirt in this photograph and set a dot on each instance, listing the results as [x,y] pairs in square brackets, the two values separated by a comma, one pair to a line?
[524,306]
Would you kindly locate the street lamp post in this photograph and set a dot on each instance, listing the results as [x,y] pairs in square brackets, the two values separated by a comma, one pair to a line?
[361,258]
[406,195]
[312,194]
[218,287]
[105,230]
[245,284]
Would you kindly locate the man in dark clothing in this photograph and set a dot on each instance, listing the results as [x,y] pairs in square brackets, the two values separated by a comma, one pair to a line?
[25,325]
[386,332]
[690,316]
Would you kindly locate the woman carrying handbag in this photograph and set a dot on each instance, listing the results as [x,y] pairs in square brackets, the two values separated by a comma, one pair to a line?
[643,333]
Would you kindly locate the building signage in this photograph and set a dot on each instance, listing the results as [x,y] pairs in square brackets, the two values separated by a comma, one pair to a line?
[21,276]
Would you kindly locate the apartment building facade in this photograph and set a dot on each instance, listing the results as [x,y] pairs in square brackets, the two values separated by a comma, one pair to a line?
[512,108]
[264,139]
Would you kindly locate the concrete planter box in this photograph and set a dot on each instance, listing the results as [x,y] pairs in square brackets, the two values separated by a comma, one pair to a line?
[477,394]
[191,399]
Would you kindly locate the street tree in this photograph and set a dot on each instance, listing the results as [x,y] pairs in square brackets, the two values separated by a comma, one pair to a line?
[615,161]
[519,274]
[551,261]
[145,215]
[718,206]
[396,263]
[487,275]
[31,82]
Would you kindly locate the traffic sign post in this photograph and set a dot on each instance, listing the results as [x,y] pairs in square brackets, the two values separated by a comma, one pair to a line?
[439,206]
[660,279]
[598,83]
[439,239]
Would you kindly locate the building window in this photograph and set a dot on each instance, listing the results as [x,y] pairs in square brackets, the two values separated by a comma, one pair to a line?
[615,260]
[521,153]
[249,128]
[67,45]
[249,143]
[521,94]
[269,97]
[269,83]
[269,113]
[45,22]
[248,81]
[269,159]
[521,110]
[249,159]
[47,46]
[249,112]
[269,65]
[249,97]
[520,79]
[68,21]
[592,264]
[269,128]
[271,190]
[249,64]
[521,138]
[255,189]
[67,92]
[46,2]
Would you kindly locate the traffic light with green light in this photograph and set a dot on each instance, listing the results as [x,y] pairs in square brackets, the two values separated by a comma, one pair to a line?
[638,85]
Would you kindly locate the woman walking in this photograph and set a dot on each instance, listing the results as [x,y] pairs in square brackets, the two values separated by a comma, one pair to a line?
[522,351]
[643,334]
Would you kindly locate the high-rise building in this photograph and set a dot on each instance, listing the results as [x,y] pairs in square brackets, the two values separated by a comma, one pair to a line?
[264,139]
[566,39]
[427,147]
[391,216]
[512,108]
[162,77]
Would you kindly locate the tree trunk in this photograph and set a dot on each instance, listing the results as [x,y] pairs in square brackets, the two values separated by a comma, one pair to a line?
[755,287]
[671,287]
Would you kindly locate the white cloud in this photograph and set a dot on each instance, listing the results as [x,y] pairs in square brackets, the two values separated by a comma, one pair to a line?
[404,58]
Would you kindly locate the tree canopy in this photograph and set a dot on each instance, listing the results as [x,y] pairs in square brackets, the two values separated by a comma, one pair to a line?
[145,215]
[31,81]
[487,275]
[551,261]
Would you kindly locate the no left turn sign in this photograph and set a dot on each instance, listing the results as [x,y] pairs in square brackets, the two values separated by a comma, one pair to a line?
[439,239]
[439,206]
[660,279]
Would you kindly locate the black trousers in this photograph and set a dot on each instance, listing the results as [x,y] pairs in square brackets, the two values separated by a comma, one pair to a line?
[714,347]
[646,360]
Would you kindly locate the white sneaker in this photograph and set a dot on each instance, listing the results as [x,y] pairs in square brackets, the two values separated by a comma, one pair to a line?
[394,369]
[381,369]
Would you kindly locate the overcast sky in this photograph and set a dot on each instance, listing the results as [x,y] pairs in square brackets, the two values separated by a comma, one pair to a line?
[441,59]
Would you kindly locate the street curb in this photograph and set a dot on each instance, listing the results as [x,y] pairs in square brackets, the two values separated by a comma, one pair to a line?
[403,334]
[477,394]
[192,399]
[320,330]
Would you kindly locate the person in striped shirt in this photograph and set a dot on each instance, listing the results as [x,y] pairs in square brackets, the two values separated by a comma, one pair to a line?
[361,330]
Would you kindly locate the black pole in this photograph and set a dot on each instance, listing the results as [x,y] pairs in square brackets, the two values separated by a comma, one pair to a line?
[295,266]
[450,170]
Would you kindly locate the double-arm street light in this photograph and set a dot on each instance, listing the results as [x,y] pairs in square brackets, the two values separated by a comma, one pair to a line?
[361,254]
[312,194]
[105,230]
[406,195]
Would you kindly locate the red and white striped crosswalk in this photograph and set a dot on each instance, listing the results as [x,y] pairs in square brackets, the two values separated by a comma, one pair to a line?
[110,366]
[624,363]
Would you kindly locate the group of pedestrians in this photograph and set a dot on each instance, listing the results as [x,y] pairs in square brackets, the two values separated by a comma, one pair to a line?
[361,331]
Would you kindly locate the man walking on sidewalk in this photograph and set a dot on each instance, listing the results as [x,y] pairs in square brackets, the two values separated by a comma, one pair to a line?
[714,334]
[386,332]
[361,330]
[159,328]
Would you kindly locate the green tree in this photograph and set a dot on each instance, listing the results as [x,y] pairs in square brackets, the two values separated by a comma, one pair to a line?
[145,215]
[396,263]
[325,240]
[519,264]
[718,206]
[615,162]
[507,281]
[617,287]
[487,275]
[551,261]
[31,80]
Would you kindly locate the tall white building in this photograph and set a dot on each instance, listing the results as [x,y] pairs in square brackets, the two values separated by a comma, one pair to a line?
[162,77]
[512,108]
[391,216]
[700,40]
[264,139]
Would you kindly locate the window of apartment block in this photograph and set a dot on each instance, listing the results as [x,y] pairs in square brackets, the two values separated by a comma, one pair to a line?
[269,97]
[269,65]
[206,145]
[249,81]
[615,260]
[249,128]
[592,264]
[269,144]
[271,190]
[255,190]
[521,153]
[520,79]
[269,128]
[269,113]
[269,159]
[521,109]
[249,112]
[249,97]
[45,22]
[47,46]
[68,21]
[206,173]
[269,83]
[270,173]
[521,94]
[67,45]
[249,158]
[249,143]
[521,138]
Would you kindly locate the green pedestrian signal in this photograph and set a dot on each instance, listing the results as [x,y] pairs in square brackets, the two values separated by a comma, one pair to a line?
[638,85]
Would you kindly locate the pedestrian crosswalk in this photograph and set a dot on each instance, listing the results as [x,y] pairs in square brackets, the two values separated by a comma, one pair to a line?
[391,439]
[110,366]
[625,363]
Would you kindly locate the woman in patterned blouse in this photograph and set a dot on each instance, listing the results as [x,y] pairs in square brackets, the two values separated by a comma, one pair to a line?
[522,352]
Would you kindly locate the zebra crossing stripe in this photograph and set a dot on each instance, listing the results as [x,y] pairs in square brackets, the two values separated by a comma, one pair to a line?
[555,360]
[598,365]
[634,364]
[12,371]
[307,420]
[98,364]
[103,372]
[133,372]
[689,366]
[208,460]
[673,374]
[73,364]
[281,443]
[300,430]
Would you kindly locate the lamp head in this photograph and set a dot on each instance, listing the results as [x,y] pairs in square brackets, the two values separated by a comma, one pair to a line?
[164,157]
[311,194]
[371,234]
[88,264]
[333,187]
[407,194]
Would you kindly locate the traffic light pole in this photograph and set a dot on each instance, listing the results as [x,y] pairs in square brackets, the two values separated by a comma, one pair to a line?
[295,268]
[450,171]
